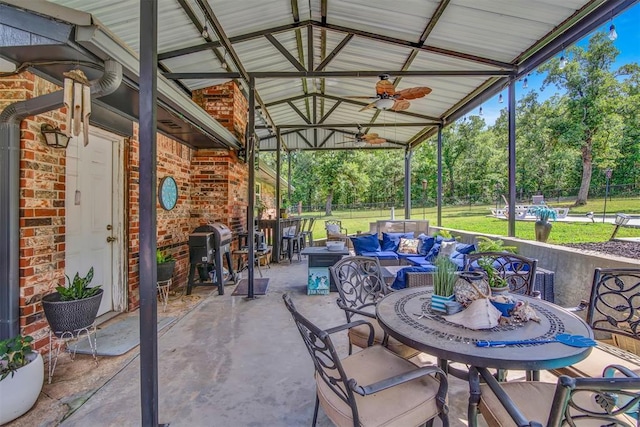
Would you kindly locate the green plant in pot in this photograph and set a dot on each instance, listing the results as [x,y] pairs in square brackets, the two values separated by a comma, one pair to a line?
[543,226]
[165,263]
[74,307]
[485,244]
[21,377]
[496,281]
[444,280]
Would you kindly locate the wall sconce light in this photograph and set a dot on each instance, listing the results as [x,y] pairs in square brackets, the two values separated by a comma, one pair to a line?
[54,137]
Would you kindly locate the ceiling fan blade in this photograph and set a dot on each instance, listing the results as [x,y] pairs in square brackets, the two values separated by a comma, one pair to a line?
[370,136]
[376,141]
[413,93]
[361,97]
[400,105]
[385,87]
[366,107]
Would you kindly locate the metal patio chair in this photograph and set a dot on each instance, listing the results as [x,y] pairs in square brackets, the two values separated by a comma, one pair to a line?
[519,271]
[613,312]
[373,386]
[611,401]
[360,286]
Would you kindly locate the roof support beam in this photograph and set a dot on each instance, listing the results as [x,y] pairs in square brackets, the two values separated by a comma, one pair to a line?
[331,110]
[412,45]
[237,39]
[283,50]
[371,73]
[402,113]
[333,53]
[297,110]
[350,125]
[324,141]
[433,21]
[306,141]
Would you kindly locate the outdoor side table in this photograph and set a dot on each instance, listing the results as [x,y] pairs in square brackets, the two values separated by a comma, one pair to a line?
[59,338]
[319,281]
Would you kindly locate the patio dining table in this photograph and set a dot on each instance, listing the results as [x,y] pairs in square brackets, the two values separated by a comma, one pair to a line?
[406,315]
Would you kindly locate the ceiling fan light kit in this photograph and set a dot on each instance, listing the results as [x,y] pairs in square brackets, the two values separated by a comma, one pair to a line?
[387,98]
[385,103]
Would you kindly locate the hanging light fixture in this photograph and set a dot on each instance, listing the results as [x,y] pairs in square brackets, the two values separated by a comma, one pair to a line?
[480,111]
[385,103]
[525,83]
[205,31]
[500,99]
[563,62]
[612,33]
[54,137]
[224,60]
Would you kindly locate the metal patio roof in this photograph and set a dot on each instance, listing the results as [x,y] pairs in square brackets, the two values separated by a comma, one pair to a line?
[308,57]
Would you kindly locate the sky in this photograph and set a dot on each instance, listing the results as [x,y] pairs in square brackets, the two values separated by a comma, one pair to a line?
[628,43]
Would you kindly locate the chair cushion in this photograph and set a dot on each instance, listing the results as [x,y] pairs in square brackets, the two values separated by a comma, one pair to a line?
[600,357]
[417,260]
[333,228]
[391,241]
[359,335]
[464,248]
[382,255]
[365,243]
[447,248]
[534,399]
[408,404]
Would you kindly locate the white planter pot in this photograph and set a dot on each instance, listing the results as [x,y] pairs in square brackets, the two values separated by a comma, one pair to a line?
[20,391]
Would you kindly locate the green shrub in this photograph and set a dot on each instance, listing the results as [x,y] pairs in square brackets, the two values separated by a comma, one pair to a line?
[13,354]
[79,288]
[486,244]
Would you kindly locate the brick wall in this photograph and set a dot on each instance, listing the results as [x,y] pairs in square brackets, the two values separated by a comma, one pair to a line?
[41,211]
[227,105]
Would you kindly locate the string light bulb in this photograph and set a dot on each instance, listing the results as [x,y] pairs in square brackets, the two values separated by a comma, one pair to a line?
[525,83]
[480,111]
[500,99]
[612,33]
[205,32]
[223,64]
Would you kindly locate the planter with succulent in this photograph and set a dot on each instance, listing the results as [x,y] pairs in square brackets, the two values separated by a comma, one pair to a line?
[444,280]
[542,226]
[166,263]
[496,281]
[74,307]
[485,244]
[21,377]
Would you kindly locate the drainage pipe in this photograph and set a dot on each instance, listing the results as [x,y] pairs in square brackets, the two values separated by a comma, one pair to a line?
[10,119]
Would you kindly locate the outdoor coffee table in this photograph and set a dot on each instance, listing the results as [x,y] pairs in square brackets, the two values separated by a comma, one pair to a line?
[399,315]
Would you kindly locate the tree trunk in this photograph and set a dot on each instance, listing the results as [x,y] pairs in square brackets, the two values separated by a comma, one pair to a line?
[327,206]
[587,170]
[451,183]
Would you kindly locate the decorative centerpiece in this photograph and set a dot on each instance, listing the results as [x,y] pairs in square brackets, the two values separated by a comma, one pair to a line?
[444,280]
[543,226]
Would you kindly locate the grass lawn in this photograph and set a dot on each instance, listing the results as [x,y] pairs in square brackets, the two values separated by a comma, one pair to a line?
[475,218]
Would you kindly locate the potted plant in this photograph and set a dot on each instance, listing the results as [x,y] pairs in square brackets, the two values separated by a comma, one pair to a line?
[166,263]
[21,377]
[444,279]
[260,206]
[497,283]
[543,226]
[485,244]
[74,307]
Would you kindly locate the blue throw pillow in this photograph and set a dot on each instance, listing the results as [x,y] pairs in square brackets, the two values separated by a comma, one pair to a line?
[426,243]
[440,239]
[433,252]
[463,248]
[366,243]
[391,241]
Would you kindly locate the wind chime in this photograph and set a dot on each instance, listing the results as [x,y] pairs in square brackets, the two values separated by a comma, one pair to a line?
[77,100]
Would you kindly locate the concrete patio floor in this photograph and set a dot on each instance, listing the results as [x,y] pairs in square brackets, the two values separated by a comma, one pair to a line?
[227,361]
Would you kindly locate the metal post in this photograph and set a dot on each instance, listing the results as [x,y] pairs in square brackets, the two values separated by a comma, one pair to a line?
[147,198]
[251,152]
[607,174]
[512,158]
[277,229]
[288,178]
[424,199]
[439,195]
[407,184]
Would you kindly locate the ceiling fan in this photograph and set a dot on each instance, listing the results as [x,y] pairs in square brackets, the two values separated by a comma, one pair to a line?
[366,138]
[387,98]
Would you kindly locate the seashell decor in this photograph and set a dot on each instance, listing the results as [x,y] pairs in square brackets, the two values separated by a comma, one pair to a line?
[480,314]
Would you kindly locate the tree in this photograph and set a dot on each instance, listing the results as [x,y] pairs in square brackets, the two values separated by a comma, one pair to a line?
[591,90]
[457,139]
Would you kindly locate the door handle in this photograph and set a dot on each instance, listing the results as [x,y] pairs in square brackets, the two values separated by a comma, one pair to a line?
[111,239]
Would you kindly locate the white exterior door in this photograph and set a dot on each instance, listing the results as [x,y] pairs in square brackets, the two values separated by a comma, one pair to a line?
[93,225]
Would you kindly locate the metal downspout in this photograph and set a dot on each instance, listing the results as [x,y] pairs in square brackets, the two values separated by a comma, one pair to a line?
[10,119]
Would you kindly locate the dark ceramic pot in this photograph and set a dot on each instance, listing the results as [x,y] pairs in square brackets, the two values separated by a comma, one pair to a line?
[165,270]
[70,316]
[543,229]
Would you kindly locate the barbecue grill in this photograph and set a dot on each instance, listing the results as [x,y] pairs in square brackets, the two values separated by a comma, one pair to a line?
[207,245]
